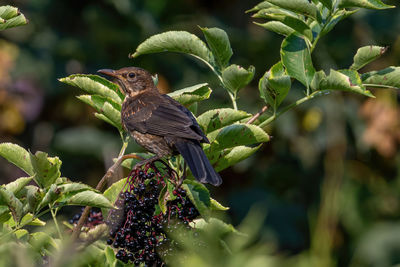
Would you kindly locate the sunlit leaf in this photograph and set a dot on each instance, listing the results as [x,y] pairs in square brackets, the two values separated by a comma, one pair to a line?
[289,20]
[162,199]
[17,185]
[367,54]
[318,77]
[199,196]
[336,18]
[262,5]
[28,219]
[11,17]
[110,109]
[218,41]
[96,85]
[297,59]
[274,85]
[233,156]
[47,169]
[239,135]
[345,80]
[51,195]
[277,27]
[214,119]
[236,77]
[73,187]
[17,156]
[175,41]
[370,4]
[389,77]
[215,205]
[299,6]
[13,203]
[192,94]
[215,226]
[90,198]
[112,194]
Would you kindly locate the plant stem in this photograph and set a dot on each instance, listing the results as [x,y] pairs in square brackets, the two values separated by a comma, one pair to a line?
[110,172]
[289,107]
[53,214]
[233,98]
[258,114]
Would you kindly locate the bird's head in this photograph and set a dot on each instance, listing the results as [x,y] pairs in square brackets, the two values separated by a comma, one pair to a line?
[131,80]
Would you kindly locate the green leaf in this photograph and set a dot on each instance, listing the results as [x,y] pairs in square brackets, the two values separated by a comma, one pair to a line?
[17,156]
[199,196]
[51,195]
[389,77]
[218,41]
[370,4]
[18,184]
[33,197]
[47,169]
[175,41]
[215,226]
[233,156]
[336,18]
[236,77]
[13,203]
[262,5]
[239,134]
[274,85]
[344,80]
[318,77]
[298,6]
[94,84]
[5,214]
[112,194]
[110,256]
[327,3]
[74,187]
[162,199]
[289,20]
[36,222]
[217,118]
[215,205]
[11,17]
[277,27]
[110,109]
[297,59]
[192,94]
[90,198]
[367,54]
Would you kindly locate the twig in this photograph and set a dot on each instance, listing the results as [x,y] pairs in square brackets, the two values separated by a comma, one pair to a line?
[100,185]
[252,119]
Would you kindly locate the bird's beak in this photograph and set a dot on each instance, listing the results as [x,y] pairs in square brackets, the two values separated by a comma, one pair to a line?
[109,72]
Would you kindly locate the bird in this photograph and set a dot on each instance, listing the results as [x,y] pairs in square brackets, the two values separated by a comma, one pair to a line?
[160,124]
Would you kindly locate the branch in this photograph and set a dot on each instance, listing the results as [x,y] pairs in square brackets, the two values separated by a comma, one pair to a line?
[252,119]
[99,187]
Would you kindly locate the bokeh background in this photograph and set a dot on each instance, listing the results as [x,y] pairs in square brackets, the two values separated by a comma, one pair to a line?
[329,179]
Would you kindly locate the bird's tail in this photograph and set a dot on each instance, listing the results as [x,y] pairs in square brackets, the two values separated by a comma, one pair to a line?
[198,163]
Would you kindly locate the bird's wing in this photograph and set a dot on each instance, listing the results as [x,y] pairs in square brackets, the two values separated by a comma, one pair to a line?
[154,114]
[195,126]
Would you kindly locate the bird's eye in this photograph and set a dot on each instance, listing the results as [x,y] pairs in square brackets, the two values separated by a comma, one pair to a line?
[131,75]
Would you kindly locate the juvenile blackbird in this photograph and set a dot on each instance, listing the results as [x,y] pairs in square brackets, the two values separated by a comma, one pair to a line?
[160,124]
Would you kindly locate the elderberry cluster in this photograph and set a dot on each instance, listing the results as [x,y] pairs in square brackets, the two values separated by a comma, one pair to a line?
[138,229]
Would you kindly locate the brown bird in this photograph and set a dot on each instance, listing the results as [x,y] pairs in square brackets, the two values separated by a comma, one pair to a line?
[160,124]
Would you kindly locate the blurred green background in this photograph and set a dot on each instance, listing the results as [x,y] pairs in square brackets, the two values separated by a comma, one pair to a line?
[329,179]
